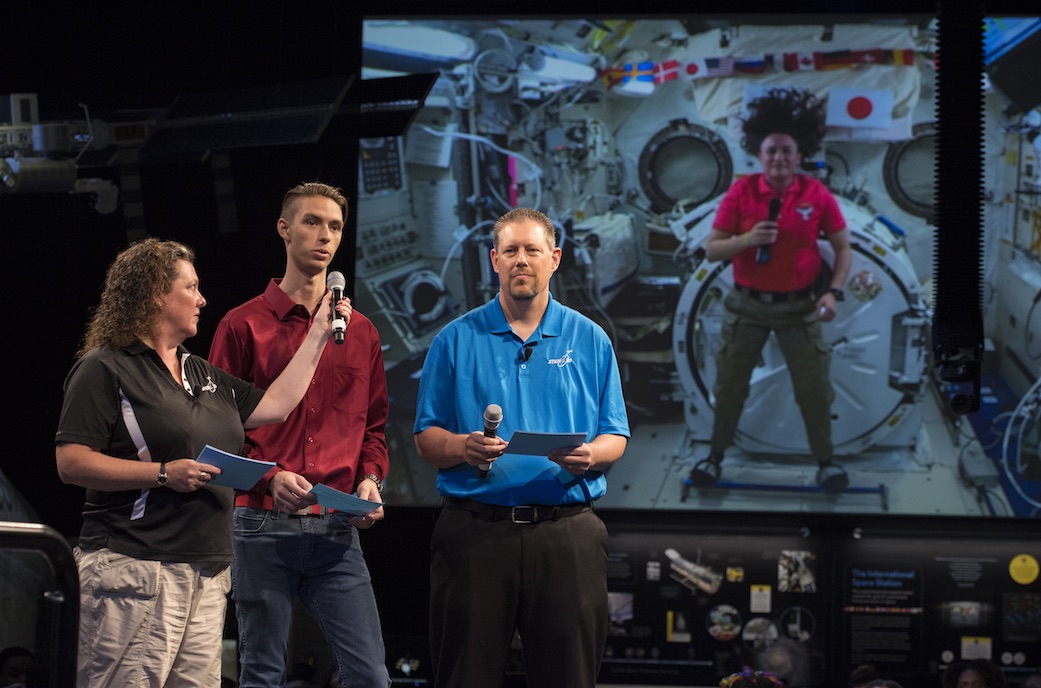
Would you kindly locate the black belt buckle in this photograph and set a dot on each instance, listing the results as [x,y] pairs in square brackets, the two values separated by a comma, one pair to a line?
[524,514]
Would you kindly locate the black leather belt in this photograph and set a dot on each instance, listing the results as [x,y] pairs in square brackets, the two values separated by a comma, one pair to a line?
[517,514]
[774,296]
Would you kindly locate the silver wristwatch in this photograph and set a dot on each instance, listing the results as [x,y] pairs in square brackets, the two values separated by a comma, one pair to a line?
[376,479]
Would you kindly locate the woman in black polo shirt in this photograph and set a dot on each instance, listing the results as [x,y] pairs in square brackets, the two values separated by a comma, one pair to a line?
[155,545]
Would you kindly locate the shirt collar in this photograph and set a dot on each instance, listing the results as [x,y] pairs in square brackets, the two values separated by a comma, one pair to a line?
[280,302]
[139,347]
[798,182]
[551,325]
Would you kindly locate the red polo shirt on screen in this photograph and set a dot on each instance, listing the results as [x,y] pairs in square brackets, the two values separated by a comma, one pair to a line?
[808,209]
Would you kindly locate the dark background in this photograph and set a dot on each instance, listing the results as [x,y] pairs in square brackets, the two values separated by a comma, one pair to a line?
[122,60]
[119,58]
[125,61]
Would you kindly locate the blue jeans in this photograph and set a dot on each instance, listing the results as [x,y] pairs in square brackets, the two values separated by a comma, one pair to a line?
[319,559]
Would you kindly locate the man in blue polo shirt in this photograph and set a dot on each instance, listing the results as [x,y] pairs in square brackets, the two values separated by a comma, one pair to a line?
[518,546]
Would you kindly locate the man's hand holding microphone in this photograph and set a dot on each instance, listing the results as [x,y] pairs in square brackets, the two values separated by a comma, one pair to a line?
[484,446]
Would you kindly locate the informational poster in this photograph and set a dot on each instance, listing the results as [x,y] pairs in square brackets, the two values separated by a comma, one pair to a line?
[883,615]
[913,607]
[689,608]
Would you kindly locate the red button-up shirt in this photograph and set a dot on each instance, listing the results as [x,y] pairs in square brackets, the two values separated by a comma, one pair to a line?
[336,434]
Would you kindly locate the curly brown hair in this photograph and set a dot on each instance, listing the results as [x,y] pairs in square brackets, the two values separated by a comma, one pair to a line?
[791,111]
[135,284]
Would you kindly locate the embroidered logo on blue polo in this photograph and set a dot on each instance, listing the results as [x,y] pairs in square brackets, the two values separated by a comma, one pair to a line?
[210,385]
[562,361]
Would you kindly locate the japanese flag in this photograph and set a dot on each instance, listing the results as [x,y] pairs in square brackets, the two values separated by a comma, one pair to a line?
[854,107]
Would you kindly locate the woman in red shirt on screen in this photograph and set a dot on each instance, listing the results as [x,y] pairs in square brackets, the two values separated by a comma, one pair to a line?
[767,225]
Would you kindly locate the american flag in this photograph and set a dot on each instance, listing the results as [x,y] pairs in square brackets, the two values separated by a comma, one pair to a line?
[719,66]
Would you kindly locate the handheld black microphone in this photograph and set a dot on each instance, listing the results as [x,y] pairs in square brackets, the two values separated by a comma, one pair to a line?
[492,418]
[762,254]
[337,283]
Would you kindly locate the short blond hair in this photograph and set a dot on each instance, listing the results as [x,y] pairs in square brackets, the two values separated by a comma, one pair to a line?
[289,200]
[522,215]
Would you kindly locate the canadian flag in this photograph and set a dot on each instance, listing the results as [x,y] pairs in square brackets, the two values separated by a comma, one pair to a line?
[853,107]
[799,62]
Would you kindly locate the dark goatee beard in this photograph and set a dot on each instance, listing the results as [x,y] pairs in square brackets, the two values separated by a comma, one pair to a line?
[525,295]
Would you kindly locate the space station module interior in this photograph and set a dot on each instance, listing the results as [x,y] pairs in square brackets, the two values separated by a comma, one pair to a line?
[627,134]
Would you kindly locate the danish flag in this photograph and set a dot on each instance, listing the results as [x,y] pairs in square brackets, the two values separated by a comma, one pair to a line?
[666,71]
